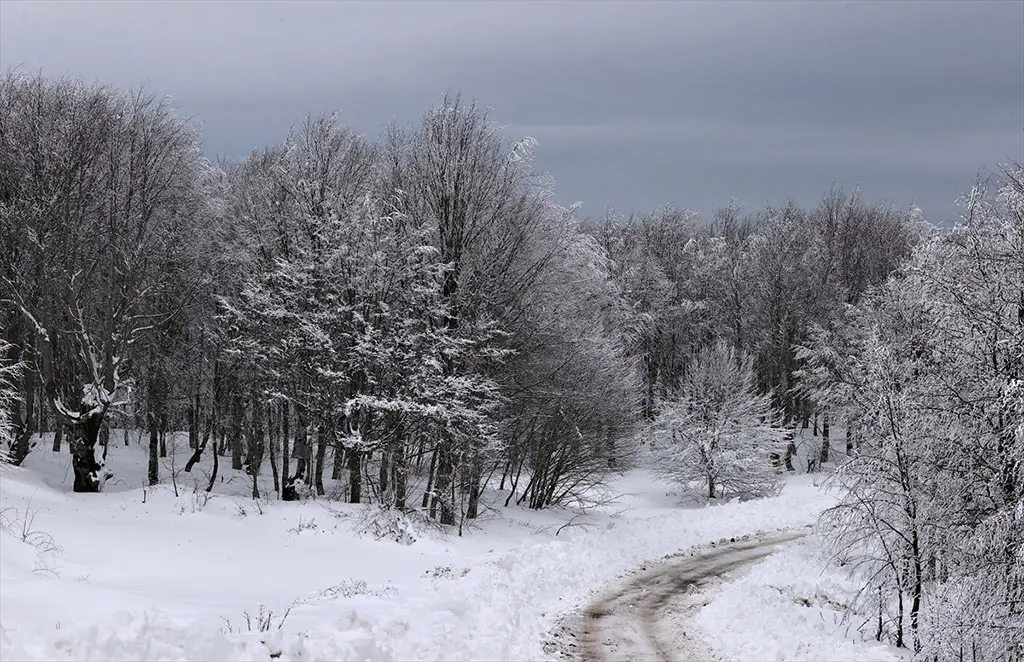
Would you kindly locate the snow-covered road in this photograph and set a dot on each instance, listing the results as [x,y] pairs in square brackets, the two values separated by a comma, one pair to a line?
[648,616]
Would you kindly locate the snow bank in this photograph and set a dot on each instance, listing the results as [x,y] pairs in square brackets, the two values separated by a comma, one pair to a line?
[789,608]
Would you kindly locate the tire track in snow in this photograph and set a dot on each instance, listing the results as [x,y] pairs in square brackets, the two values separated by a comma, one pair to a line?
[647,616]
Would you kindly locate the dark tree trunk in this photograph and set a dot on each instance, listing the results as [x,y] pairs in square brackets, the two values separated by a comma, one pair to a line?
[193,422]
[23,443]
[428,493]
[899,617]
[790,451]
[399,473]
[321,453]
[197,454]
[355,481]
[87,469]
[163,431]
[825,440]
[285,446]
[154,449]
[383,472]
[338,459]
[444,484]
[216,466]
[474,477]
[302,454]
[19,445]
[58,435]
[256,447]
[272,434]
[236,432]
[41,426]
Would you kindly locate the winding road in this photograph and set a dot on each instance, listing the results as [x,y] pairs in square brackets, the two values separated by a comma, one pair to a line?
[647,617]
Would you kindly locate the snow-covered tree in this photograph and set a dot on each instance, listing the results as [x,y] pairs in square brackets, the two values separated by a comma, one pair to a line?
[99,189]
[8,400]
[717,430]
[928,372]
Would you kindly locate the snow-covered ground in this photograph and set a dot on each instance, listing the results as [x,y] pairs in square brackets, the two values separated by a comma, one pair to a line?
[790,606]
[137,573]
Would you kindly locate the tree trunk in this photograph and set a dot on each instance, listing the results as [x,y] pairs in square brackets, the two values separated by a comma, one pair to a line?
[19,439]
[899,616]
[272,439]
[355,483]
[256,446]
[383,473]
[430,486]
[790,451]
[916,589]
[321,453]
[58,435]
[474,477]
[444,483]
[285,446]
[83,455]
[825,440]
[216,466]
[23,443]
[302,455]
[399,473]
[154,449]
[338,458]
[236,432]
[163,430]
[193,422]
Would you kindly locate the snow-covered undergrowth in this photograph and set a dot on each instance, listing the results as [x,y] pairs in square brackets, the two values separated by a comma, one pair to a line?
[790,607]
[142,574]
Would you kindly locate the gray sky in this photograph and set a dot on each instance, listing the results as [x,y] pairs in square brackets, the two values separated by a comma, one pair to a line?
[634,104]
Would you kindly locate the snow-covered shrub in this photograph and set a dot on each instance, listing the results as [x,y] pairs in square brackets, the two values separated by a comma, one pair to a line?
[387,523]
[718,430]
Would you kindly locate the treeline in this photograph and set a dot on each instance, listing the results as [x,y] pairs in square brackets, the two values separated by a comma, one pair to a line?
[419,299]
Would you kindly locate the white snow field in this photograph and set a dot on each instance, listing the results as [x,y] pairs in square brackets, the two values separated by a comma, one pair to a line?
[137,573]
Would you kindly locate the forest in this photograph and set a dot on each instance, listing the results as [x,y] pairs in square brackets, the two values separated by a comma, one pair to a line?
[416,318]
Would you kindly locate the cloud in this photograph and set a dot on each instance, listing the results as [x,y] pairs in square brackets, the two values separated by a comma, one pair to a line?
[908,95]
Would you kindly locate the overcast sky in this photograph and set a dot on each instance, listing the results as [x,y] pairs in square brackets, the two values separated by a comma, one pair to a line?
[634,104]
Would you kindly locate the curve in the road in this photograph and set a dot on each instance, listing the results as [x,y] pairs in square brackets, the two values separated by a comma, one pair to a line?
[627,623]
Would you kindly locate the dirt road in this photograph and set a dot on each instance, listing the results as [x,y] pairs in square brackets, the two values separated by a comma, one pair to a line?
[647,617]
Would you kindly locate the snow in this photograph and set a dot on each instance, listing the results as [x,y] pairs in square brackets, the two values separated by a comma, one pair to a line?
[138,573]
[789,607]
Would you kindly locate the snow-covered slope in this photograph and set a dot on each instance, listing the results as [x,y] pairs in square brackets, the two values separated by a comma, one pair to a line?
[134,574]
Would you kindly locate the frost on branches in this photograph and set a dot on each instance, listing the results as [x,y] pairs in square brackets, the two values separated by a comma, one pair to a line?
[929,373]
[718,430]
[8,399]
